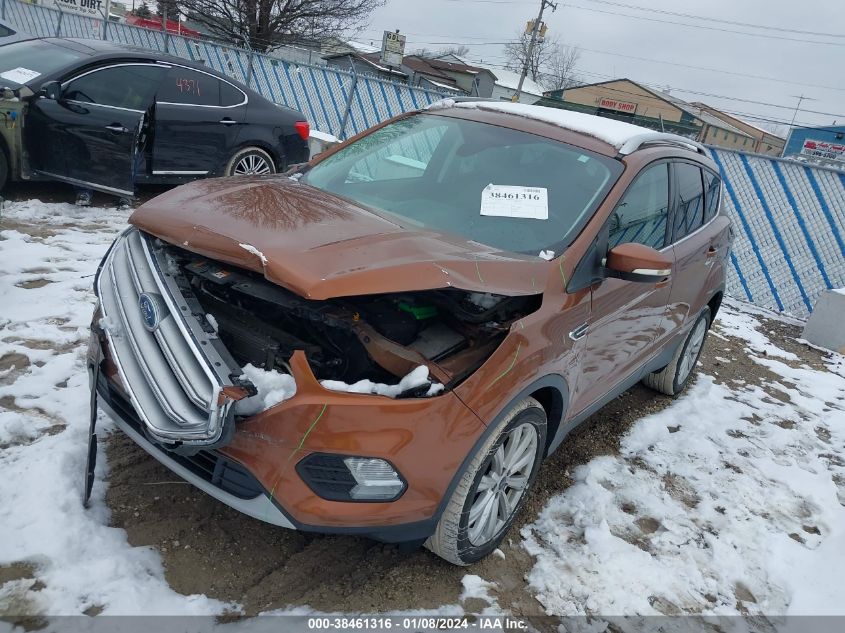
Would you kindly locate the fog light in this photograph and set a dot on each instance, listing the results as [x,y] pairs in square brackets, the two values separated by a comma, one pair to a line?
[375,478]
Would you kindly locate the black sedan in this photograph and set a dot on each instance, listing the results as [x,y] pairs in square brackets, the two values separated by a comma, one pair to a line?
[107,117]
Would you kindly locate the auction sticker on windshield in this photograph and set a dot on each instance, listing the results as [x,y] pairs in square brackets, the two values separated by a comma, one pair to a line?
[20,75]
[511,201]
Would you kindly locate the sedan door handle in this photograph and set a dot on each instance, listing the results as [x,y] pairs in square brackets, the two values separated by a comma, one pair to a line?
[579,332]
[227,121]
[118,128]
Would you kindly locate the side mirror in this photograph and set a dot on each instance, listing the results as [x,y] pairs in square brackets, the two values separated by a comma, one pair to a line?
[51,90]
[637,262]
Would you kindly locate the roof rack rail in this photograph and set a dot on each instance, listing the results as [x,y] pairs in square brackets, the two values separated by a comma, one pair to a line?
[648,138]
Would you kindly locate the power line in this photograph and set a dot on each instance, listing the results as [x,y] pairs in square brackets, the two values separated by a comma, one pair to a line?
[695,26]
[718,20]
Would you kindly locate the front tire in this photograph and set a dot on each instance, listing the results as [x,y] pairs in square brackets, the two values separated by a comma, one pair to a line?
[493,488]
[673,378]
[250,161]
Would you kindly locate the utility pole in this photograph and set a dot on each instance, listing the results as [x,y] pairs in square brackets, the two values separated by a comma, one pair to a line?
[800,98]
[531,45]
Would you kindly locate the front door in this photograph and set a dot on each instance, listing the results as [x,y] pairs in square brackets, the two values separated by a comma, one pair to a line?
[626,316]
[195,110]
[89,136]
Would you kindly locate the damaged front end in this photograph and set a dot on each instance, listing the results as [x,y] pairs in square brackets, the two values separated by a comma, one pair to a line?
[377,338]
[191,337]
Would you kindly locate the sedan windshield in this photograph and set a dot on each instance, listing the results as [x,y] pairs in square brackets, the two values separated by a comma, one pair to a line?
[24,62]
[497,186]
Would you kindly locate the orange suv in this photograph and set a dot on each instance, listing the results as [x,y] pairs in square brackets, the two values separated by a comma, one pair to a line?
[390,339]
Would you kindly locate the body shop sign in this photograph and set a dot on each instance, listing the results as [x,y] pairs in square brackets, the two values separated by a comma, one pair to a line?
[91,8]
[823,149]
[619,106]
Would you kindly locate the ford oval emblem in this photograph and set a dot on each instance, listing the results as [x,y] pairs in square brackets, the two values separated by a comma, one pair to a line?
[151,310]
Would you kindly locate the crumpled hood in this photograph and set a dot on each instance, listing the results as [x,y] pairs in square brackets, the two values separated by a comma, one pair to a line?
[321,246]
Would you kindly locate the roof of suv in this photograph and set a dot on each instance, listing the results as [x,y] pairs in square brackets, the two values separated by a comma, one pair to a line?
[625,138]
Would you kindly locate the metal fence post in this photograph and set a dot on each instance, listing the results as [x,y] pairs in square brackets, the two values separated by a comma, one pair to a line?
[249,68]
[348,109]
[58,24]
[3,10]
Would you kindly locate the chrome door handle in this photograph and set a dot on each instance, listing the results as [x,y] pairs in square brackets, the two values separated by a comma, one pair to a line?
[579,332]
[227,121]
[117,127]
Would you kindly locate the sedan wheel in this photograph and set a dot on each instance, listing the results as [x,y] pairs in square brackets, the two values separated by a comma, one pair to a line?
[251,161]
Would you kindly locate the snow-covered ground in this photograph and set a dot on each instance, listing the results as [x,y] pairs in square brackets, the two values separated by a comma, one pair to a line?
[728,501]
[731,501]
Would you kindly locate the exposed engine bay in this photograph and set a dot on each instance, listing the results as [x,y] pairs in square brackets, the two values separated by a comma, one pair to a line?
[378,337]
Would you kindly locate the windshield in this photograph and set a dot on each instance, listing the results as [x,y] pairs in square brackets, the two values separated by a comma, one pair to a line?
[24,62]
[504,188]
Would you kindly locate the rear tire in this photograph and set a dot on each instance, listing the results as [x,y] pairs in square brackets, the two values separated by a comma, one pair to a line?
[673,378]
[465,532]
[250,161]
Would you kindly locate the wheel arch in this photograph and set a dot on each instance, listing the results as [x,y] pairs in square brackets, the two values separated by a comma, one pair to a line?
[714,304]
[551,391]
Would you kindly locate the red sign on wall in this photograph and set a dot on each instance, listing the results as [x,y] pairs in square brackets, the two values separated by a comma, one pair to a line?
[619,106]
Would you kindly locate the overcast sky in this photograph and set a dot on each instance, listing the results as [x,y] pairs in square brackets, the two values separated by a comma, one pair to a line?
[610,44]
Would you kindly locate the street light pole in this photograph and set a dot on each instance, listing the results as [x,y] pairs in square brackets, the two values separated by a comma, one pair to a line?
[531,45]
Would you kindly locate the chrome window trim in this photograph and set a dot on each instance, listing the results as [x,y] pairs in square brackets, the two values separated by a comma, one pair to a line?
[100,68]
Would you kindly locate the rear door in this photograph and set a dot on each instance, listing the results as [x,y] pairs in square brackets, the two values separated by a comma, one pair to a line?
[626,317]
[89,136]
[198,120]
[696,240]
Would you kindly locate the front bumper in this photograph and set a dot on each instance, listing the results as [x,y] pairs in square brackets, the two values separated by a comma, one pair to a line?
[428,441]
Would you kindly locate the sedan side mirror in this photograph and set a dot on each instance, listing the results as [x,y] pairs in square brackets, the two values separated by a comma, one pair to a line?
[637,262]
[51,90]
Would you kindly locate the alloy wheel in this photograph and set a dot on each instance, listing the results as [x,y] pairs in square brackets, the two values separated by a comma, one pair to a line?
[252,164]
[693,348]
[502,485]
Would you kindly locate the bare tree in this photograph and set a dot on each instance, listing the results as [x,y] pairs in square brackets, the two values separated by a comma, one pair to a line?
[264,24]
[428,53]
[516,54]
[143,11]
[559,71]
[169,8]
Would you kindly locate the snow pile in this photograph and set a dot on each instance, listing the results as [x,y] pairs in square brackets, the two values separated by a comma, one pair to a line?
[729,501]
[442,104]
[608,130]
[417,378]
[249,248]
[483,300]
[48,261]
[324,137]
[273,388]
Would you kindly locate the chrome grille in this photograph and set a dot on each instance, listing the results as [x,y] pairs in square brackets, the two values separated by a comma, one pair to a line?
[173,373]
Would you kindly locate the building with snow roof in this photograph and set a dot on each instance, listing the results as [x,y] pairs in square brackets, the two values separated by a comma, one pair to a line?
[627,100]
